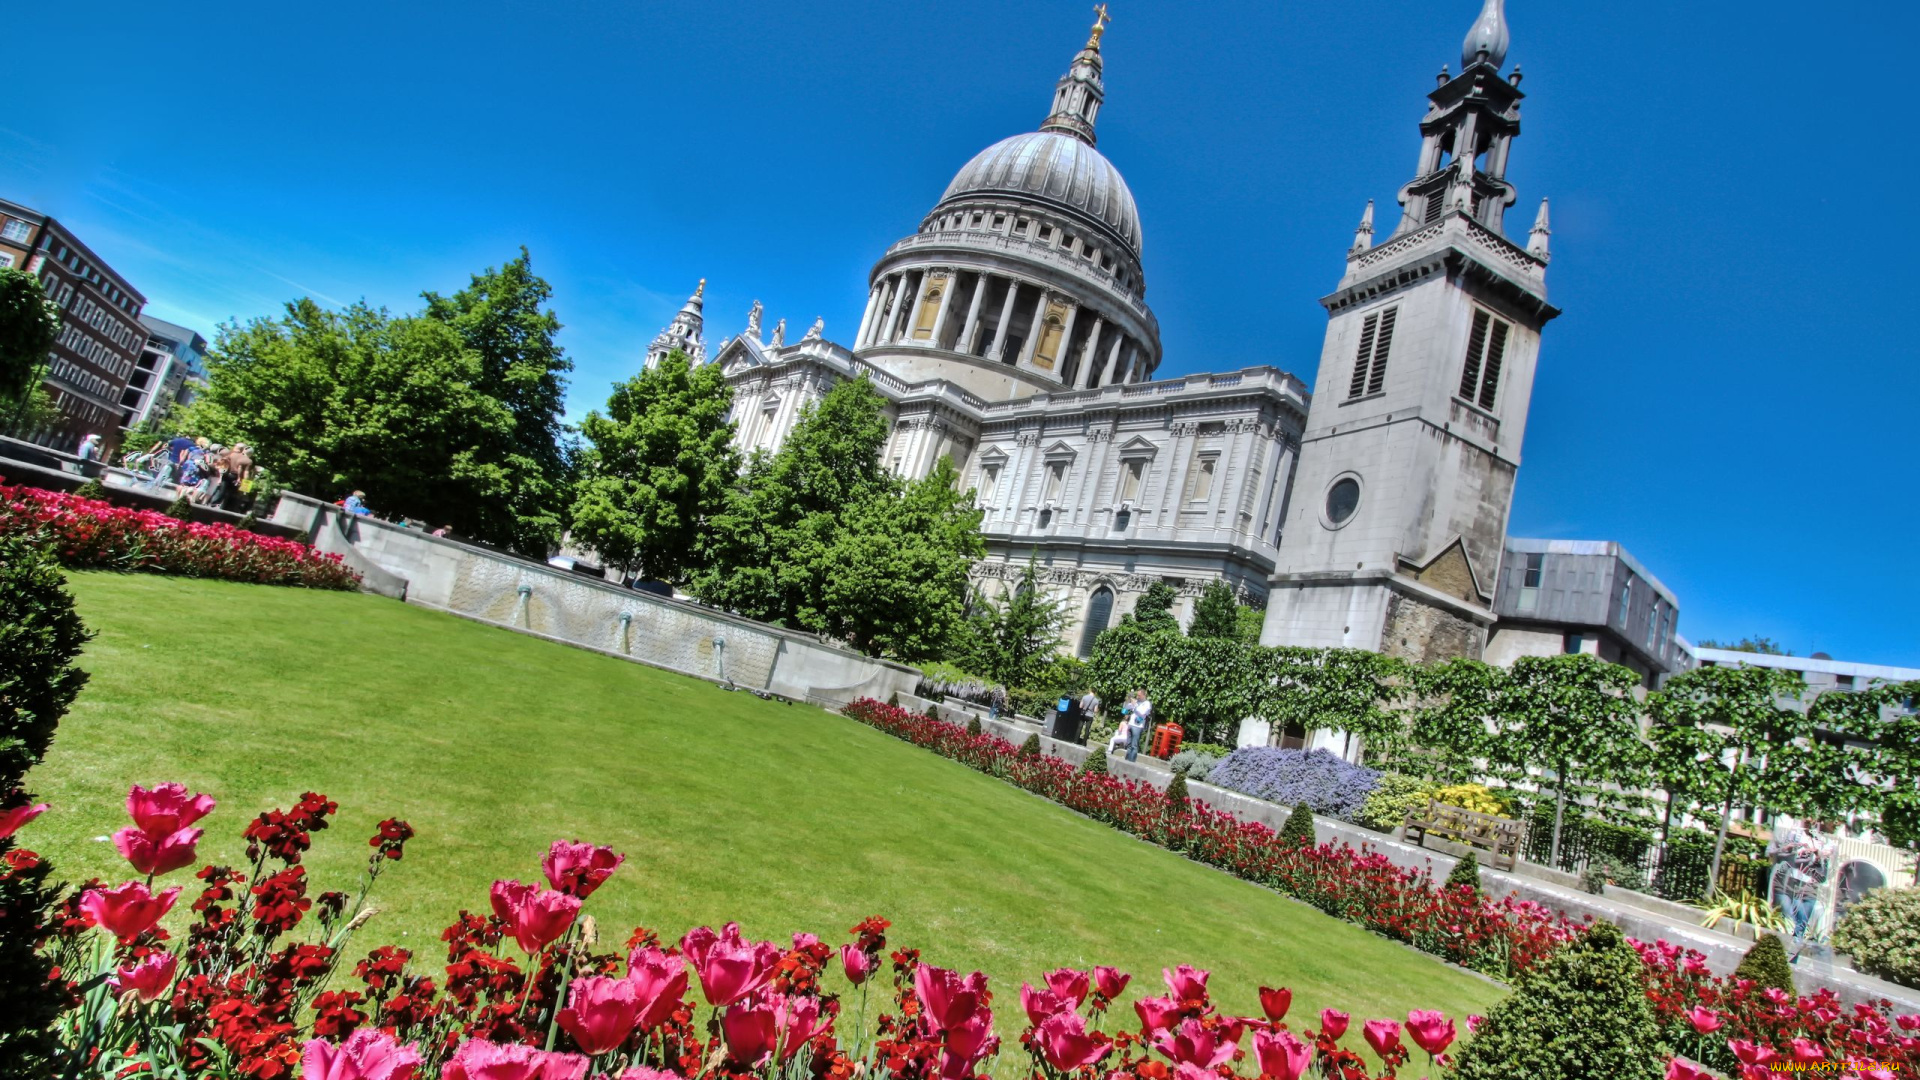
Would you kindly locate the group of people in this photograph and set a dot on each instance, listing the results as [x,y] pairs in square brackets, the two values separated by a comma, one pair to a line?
[1135,714]
[206,472]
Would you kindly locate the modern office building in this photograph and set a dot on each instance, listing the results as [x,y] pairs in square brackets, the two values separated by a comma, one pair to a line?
[170,368]
[1584,596]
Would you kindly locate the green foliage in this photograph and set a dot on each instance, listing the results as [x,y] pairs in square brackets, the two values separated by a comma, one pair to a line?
[92,489]
[818,536]
[1216,614]
[181,508]
[1604,870]
[1015,638]
[1203,684]
[33,411]
[1030,748]
[1448,724]
[1466,872]
[1882,748]
[1298,829]
[29,323]
[1248,622]
[1766,964]
[973,725]
[1763,645]
[1572,715]
[1096,763]
[1881,931]
[1387,804]
[1177,794]
[1350,689]
[1153,612]
[1581,1015]
[656,466]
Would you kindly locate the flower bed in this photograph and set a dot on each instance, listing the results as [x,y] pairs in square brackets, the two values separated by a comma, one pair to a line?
[89,534]
[1325,781]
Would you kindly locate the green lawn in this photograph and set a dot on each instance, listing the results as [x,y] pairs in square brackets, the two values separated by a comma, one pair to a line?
[728,807]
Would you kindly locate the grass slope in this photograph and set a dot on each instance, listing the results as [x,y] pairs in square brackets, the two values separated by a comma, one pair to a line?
[782,817]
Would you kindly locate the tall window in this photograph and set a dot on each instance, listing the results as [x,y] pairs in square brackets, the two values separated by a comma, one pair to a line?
[989,480]
[16,230]
[1200,478]
[1370,361]
[1056,479]
[1486,349]
[1530,581]
[1130,475]
[1626,599]
[1653,625]
[1099,613]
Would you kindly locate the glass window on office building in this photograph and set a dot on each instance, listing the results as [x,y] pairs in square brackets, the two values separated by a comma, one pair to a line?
[1530,582]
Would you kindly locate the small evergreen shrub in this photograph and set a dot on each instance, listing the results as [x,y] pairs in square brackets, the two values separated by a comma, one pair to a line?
[973,725]
[894,700]
[1581,1015]
[1882,934]
[1606,870]
[92,489]
[1096,763]
[1177,794]
[180,508]
[1466,872]
[1298,831]
[1766,964]
[933,711]
[1030,748]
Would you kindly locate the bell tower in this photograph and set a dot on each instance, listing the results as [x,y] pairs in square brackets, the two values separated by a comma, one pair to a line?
[1398,513]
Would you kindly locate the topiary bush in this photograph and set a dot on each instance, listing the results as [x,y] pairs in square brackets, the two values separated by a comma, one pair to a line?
[1030,748]
[1881,932]
[1298,831]
[1096,763]
[894,700]
[1177,794]
[1466,872]
[933,711]
[1766,964]
[1581,1015]
[973,725]
[1386,806]
[180,508]
[92,489]
[1325,781]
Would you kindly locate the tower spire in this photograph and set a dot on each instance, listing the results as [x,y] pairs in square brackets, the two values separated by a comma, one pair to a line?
[1537,238]
[1363,236]
[1486,41]
[683,333]
[1078,94]
[1467,134]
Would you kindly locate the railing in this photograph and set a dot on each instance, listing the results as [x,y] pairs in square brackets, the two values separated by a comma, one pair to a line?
[1035,252]
[1675,871]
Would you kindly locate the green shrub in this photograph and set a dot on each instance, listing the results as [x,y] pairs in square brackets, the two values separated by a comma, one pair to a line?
[1177,794]
[1096,763]
[933,711]
[1030,748]
[1605,870]
[1882,934]
[1466,872]
[1299,827]
[92,489]
[973,725]
[1581,1015]
[181,508]
[894,701]
[40,635]
[1196,760]
[1766,964]
[1387,804]
[247,521]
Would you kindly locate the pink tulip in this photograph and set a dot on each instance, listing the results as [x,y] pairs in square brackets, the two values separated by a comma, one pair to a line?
[750,1032]
[1474,1020]
[147,980]
[856,963]
[1155,1014]
[368,1054]
[478,1059]
[1066,1045]
[1806,1050]
[1275,1003]
[729,967]
[1069,984]
[1195,1044]
[577,869]
[1680,1070]
[1705,1020]
[1909,1021]
[1110,981]
[12,820]
[1186,983]
[967,1045]
[1041,1004]
[152,854]
[804,941]
[948,999]
[1752,1053]
[126,911]
[659,982]
[535,917]
[166,809]
[798,1018]
[1333,1023]
[601,1013]
[1382,1035]
[1281,1054]
[1431,1030]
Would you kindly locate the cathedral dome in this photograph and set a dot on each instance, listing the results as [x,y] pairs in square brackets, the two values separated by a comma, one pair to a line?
[1057,169]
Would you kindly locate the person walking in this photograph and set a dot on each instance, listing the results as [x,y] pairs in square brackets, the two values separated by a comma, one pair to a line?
[1142,718]
[1089,709]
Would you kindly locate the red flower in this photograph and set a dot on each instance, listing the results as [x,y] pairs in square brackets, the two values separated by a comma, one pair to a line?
[12,820]
[577,869]
[1275,1003]
[1333,1023]
[393,833]
[126,911]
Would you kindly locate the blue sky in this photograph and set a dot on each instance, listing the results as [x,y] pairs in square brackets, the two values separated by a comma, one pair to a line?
[1729,392]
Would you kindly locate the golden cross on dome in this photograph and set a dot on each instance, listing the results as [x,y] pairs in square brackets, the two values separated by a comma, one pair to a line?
[1100,21]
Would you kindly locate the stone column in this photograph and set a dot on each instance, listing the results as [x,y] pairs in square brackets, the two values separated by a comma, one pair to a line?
[1066,343]
[1084,375]
[905,330]
[946,305]
[1006,317]
[888,308]
[1234,458]
[1111,368]
[1033,332]
[866,317]
[972,324]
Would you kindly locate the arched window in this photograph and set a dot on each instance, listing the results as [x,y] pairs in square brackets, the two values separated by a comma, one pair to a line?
[1099,612]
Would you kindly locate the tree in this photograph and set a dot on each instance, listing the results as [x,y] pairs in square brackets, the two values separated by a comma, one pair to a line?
[1154,610]
[1884,774]
[1763,645]
[1448,721]
[502,319]
[1350,690]
[657,466]
[1753,739]
[1766,964]
[1202,684]
[1015,637]
[1249,622]
[1572,715]
[1216,613]
[29,323]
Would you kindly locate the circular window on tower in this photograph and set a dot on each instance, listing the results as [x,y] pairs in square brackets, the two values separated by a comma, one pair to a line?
[1343,498]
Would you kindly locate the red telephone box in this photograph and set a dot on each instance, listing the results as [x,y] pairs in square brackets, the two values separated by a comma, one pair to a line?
[1166,740]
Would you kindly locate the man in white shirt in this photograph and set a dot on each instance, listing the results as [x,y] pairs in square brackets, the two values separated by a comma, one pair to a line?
[1142,718]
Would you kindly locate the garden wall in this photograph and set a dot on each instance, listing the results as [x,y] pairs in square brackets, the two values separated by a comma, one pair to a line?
[534,598]
[1643,917]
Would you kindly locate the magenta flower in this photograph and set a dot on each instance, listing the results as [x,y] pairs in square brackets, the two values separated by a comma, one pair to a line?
[750,1032]
[535,917]
[1155,1014]
[1680,1070]
[729,967]
[948,999]
[1069,984]
[148,979]
[1431,1030]
[967,1044]
[1186,983]
[601,1013]
[166,809]
[1704,1020]
[856,963]
[368,1054]
[153,853]
[12,820]
[1065,1043]
[1040,1004]
[1752,1053]
[126,911]
[1110,981]
[805,941]
[577,869]
[1195,1044]
[1333,1023]
[1281,1054]
[478,1059]
[1382,1035]
[660,983]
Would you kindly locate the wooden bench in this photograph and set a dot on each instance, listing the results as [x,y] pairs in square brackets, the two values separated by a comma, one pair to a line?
[1457,824]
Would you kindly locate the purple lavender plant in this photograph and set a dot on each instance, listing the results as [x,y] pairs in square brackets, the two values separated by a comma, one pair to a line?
[1323,780]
